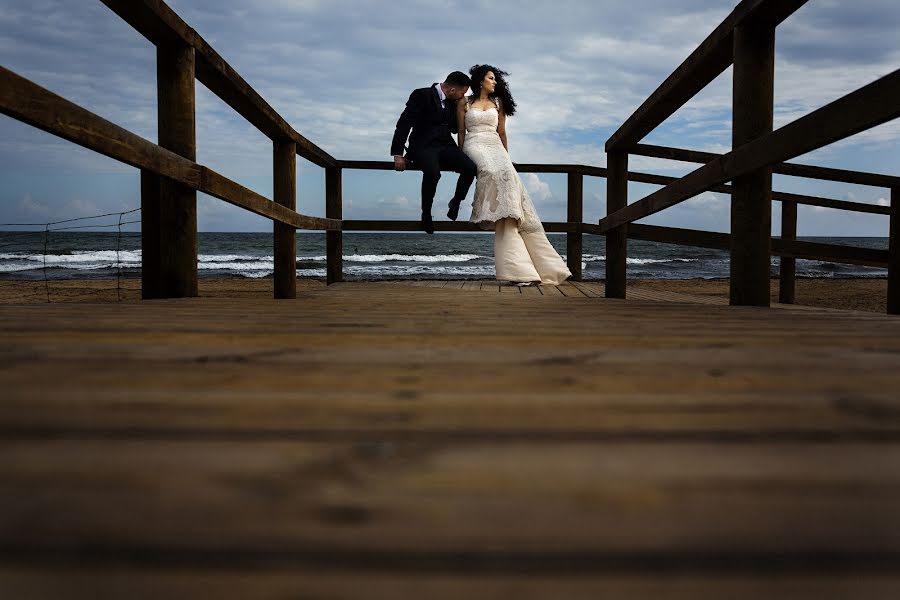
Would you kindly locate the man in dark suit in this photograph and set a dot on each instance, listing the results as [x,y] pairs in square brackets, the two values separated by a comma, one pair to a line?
[431,115]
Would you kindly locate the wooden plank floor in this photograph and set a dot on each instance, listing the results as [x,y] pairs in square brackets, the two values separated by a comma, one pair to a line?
[379,440]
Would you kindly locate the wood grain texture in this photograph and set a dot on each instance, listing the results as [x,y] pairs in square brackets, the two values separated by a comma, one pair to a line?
[705,63]
[858,111]
[793,169]
[452,435]
[161,25]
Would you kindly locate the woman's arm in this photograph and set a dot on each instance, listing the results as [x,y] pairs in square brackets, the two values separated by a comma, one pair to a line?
[501,126]
[461,106]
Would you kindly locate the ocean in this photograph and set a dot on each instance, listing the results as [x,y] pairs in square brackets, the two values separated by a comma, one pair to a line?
[370,256]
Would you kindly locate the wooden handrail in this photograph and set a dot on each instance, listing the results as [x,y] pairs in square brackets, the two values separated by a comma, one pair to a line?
[32,104]
[862,109]
[386,165]
[791,169]
[160,24]
[707,62]
[852,255]
[862,207]
[855,112]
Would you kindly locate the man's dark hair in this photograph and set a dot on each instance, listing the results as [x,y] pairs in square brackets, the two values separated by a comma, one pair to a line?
[458,79]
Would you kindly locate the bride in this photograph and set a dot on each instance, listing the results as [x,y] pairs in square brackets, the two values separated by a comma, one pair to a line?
[522,252]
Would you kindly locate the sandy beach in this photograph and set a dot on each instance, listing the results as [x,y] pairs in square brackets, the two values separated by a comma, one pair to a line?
[852,294]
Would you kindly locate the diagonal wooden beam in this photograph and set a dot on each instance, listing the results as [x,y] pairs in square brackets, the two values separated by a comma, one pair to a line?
[41,108]
[791,169]
[156,21]
[863,109]
[704,64]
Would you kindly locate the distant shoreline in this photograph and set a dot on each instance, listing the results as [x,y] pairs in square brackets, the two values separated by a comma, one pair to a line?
[868,294]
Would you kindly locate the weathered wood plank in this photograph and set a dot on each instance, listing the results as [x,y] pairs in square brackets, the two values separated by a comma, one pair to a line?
[751,196]
[284,168]
[574,214]
[573,505]
[893,301]
[384,165]
[32,104]
[334,240]
[862,207]
[176,205]
[862,109]
[91,583]
[705,63]
[234,193]
[780,247]
[456,444]
[156,21]
[787,276]
[617,238]
[587,289]
[27,102]
[551,290]
[793,169]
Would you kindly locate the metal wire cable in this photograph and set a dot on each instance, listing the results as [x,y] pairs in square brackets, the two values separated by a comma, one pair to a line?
[48,227]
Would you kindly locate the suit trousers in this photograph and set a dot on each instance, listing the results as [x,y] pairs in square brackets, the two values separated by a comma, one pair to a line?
[447,157]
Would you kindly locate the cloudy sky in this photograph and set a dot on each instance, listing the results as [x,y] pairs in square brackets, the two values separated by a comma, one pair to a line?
[340,71]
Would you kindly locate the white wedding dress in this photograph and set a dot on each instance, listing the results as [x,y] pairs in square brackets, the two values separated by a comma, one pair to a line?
[522,252]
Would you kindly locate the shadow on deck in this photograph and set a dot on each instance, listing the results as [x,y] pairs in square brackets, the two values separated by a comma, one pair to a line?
[383,439]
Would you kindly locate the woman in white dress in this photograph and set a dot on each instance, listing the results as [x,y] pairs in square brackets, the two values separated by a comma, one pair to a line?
[522,252]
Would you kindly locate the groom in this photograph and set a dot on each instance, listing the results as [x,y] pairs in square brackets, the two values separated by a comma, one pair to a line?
[431,115]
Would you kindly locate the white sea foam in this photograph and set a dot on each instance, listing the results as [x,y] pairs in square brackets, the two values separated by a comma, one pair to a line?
[259,265]
[418,258]
[78,257]
[230,258]
[589,258]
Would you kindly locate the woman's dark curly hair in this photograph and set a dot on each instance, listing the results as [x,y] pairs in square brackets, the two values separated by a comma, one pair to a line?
[501,91]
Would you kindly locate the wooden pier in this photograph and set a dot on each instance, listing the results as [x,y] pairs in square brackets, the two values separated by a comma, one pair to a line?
[384,441]
[458,439]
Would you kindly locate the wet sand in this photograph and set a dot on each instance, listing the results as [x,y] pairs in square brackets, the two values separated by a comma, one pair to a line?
[853,294]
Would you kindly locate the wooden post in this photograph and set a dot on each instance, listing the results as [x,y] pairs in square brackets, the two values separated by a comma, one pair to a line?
[575,214]
[285,237]
[893,299]
[751,198]
[616,239]
[334,240]
[169,209]
[787,277]
[151,281]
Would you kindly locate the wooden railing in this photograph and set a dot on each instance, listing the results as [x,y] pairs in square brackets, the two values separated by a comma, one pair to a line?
[746,40]
[171,177]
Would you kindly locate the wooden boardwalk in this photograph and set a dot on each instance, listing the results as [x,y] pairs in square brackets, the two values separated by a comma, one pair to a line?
[397,441]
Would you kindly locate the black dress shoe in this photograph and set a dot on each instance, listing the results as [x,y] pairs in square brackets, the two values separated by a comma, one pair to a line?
[453,211]
[427,224]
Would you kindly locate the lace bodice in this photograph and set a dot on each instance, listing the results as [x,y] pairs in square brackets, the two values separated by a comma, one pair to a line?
[481,121]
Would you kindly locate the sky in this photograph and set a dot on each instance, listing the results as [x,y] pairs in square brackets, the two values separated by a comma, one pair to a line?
[339,71]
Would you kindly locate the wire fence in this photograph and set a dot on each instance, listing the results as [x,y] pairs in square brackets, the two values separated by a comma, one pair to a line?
[64,225]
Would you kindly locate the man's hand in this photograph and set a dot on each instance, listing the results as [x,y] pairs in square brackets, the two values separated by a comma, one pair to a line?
[400,163]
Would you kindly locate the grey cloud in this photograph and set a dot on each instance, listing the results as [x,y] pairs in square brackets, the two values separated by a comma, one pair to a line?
[340,71]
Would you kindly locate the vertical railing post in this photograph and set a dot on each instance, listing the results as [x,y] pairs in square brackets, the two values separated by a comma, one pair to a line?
[575,214]
[787,276]
[169,208]
[284,168]
[334,242]
[893,299]
[617,238]
[751,198]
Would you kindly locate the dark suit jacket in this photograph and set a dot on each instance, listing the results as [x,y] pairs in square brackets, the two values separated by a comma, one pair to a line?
[431,125]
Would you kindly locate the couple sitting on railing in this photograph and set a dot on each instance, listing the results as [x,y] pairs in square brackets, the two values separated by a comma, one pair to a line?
[522,252]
